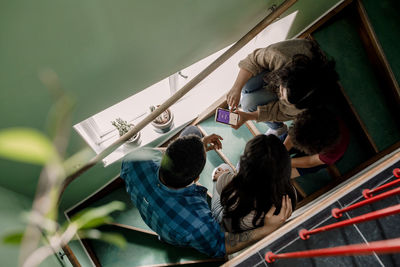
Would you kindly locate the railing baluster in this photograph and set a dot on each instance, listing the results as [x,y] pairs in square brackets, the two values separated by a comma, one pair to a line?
[305,234]
[367,193]
[337,213]
[379,247]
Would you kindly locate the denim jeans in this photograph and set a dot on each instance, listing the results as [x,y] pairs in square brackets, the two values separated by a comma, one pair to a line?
[254,94]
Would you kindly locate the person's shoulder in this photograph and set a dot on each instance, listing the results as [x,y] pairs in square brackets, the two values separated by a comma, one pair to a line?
[285,50]
[141,164]
[132,169]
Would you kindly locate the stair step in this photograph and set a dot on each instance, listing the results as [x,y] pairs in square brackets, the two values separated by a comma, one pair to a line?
[314,181]
[371,104]
[130,216]
[144,250]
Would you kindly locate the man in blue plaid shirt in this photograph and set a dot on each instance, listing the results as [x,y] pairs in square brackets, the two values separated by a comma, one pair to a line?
[169,201]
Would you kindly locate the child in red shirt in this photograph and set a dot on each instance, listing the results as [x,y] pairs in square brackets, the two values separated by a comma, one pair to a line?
[320,136]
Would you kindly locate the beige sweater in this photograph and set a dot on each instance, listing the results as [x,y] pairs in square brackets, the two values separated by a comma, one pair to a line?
[272,58]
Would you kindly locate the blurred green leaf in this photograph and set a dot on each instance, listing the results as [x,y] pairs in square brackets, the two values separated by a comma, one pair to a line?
[78,160]
[26,145]
[13,238]
[93,216]
[97,222]
[113,238]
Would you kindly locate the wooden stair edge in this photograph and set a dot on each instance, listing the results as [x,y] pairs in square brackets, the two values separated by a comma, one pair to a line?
[133,228]
[252,128]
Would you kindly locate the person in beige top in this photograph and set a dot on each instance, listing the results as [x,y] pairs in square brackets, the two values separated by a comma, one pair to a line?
[278,82]
[261,190]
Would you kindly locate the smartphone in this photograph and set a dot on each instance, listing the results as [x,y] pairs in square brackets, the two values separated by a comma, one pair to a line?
[226,117]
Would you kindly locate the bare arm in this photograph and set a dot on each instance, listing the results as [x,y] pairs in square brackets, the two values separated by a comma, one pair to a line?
[233,96]
[288,143]
[236,242]
[307,161]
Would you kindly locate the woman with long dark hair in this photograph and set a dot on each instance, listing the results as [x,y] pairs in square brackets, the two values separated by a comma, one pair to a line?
[262,186]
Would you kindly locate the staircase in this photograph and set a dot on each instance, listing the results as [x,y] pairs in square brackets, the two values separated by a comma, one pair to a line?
[368,102]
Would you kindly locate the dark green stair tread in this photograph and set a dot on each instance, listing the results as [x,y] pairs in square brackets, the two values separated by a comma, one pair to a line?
[213,160]
[234,140]
[130,216]
[314,181]
[358,79]
[141,250]
[385,29]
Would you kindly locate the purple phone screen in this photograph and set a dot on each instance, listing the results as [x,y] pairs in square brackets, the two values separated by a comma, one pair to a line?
[223,116]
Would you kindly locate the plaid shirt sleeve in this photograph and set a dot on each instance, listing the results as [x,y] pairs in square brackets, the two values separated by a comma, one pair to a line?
[210,239]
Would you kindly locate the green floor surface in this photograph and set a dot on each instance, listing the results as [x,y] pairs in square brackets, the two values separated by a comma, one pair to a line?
[234,140]
[213,160]
[262,127]
[141,249]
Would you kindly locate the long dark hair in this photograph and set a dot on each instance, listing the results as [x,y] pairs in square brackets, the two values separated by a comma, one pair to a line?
[262,180]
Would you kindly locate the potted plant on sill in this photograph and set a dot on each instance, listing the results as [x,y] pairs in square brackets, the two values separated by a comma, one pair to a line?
[164,122]
[123,127]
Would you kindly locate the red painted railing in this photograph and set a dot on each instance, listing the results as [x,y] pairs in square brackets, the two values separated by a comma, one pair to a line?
[337,213]
[367,193]
[379,247]
[305,234]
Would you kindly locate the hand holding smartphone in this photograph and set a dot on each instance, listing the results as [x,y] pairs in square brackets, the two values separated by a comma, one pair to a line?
[226,117]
